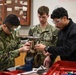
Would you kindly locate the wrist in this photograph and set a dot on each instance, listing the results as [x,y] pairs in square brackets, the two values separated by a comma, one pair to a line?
[46,48]
[20,49]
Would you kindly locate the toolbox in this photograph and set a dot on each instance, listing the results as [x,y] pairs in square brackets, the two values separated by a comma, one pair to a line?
[58,68]
[62,68]
[11,72]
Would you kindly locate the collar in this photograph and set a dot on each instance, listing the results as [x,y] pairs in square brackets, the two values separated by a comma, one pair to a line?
[69,24]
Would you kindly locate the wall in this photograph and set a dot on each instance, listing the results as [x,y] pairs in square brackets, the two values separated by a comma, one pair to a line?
[24,29]
[70,5]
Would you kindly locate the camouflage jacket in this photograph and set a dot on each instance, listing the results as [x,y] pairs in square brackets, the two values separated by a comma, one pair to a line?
[48,37]
[8,49]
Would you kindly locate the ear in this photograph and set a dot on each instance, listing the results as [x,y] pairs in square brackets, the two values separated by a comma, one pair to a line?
[4,25]
[48,15]
[65,17]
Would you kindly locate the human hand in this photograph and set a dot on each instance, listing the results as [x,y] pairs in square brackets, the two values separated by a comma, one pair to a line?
[26,47]
[47,61]
[29,43]
[46,53]
[40,47]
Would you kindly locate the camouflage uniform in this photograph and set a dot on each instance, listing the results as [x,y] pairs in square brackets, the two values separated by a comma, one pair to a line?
[47,36]
[8,49]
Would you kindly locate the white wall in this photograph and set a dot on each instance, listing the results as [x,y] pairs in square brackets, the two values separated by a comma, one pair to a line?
[70,5]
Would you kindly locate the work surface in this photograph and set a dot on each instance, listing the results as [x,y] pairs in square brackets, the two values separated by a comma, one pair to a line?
[29,73]
[34,72]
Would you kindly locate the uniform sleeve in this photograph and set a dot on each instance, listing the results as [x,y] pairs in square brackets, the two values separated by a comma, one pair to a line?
[54,35]
[6,51]
[1,45]
[15,53]
[30,32]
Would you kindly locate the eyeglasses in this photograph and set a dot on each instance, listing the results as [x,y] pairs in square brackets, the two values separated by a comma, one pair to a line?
[13,28]
[56,21]
[9,28]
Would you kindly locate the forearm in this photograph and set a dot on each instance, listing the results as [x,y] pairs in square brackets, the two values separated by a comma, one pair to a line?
[62,51]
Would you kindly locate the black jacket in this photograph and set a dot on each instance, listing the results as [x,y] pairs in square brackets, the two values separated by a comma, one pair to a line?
[66,45]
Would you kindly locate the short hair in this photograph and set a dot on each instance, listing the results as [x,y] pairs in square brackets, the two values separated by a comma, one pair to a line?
[59,13]
[43,10]
[12,19]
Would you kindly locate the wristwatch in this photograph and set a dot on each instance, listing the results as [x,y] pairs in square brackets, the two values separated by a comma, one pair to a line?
[46,49]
